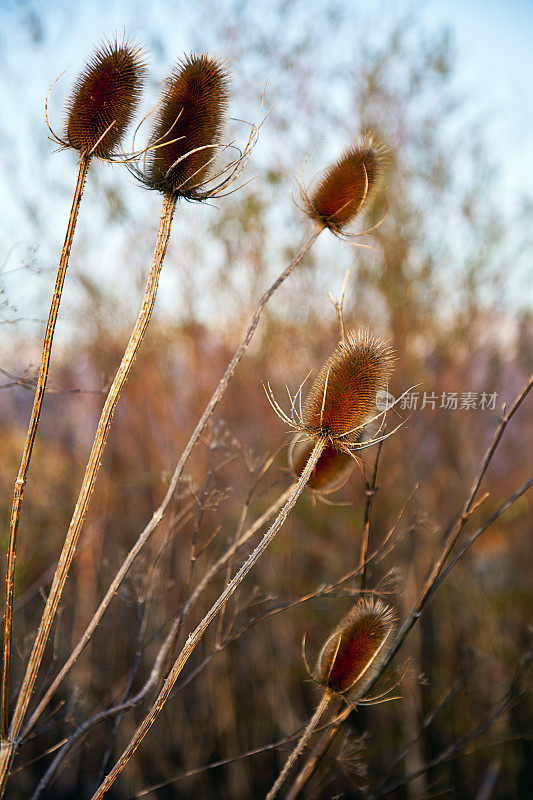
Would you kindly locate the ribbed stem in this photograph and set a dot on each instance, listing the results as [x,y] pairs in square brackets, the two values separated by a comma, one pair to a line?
[302,741]
[115,585]
[317,753]
[89,479]
[30,437]
[198,633]
[174,482]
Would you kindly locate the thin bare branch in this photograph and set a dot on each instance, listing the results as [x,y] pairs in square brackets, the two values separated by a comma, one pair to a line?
[454,749]
[431,582]
[198,633]
[371,489]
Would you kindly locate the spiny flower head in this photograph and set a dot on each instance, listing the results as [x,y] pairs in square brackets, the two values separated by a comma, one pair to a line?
[352,655]
[348,185]
[105,98]
[343,396]
[330,471]
[188,127]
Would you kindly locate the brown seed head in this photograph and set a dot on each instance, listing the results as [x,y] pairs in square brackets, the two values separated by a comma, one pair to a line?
[191,116]
[356,649]
[105,94]
[343,396]
[348,185]
[330,471]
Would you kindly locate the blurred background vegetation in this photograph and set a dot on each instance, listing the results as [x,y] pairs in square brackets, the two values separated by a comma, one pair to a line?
[446,282]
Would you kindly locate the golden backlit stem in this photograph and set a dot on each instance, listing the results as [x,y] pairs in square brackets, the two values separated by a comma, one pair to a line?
[304,738]
[174,483]
[198,633]
[31,433]
[91,472]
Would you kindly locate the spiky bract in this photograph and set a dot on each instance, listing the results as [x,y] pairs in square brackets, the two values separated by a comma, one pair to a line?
[343,396]
[347,185]
[330,471]
[191,116]
[355,650]
[105,98]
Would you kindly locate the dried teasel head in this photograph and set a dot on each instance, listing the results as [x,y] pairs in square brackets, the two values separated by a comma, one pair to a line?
[347,186]
[353,654]
[104,99]
[343,397]
[187,128]
[332,468]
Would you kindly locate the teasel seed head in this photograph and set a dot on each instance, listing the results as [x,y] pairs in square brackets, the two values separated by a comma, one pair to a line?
[353,654]
[331,471]
[188,126]
[104,99]
[343,397]
[348,185]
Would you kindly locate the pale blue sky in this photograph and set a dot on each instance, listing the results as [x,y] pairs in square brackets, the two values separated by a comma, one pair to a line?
[493,69]
[494,44]
[492,37]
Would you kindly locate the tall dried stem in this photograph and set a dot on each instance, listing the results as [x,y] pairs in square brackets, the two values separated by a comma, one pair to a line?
[116,583]
[91,472]
[304,738]
[318,753]
[198,633]
[158,515]
[328,736]
[31,433]
[243,346]
[433,579]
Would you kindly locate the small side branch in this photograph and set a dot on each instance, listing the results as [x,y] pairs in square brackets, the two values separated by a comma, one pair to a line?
[433,579]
